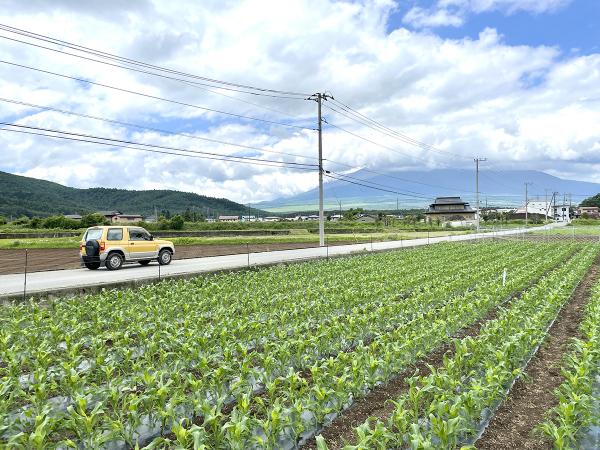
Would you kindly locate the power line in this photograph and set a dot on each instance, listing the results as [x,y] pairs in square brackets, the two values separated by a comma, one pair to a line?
[343,178]
[154,97]
[373,142]
[134,62]
[419,194]
[375,125]
[191,83]
[387,175]
[143,127]
[162,149]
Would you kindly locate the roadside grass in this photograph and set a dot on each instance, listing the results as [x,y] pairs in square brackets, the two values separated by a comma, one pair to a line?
[73,242]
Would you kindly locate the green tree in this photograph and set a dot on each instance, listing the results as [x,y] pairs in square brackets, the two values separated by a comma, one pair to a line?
[3,220]
[91,220]
[591,201]
[177,222]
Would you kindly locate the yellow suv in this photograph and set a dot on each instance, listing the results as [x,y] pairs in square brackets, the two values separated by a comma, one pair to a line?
[113,245]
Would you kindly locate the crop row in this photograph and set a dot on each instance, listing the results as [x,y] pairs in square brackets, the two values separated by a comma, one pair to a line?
[296,404]
[452,404]
[568,424]
[126,365]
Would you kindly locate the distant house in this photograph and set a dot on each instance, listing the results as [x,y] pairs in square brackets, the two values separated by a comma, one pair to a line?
[248,218]
[118,216]
[336,217]
[450,209]
[272,219]
[127,218]
[109,214]
[591,212]
[562,213]
[366,218]
[229,219]
[73,216]
[534,209]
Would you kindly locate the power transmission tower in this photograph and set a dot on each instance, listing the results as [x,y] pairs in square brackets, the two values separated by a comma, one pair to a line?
[477,161]
[319,97]
[527,183]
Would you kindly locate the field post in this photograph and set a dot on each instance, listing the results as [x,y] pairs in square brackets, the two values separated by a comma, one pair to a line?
[158,271]
[371,243]
[427,237]
[327,248]
[248,252]
[25,276]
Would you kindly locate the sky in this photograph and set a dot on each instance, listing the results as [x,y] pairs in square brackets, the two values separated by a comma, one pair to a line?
[513,81]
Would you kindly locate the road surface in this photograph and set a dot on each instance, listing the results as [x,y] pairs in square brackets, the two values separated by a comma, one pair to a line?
[44,282]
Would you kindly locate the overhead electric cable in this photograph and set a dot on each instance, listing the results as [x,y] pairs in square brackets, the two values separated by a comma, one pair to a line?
[188,82]
[328,175]
[419,194]
[141,63]
[125,143]
[143,127]
[373,142]
[367,121]
[154,97]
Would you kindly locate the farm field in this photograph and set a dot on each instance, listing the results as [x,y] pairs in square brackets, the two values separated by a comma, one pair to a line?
[311,355]
[303,237]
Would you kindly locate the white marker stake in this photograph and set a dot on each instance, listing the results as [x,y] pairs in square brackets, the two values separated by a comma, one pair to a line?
[504,277]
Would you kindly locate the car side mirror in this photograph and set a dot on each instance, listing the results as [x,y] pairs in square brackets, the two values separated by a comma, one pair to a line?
[151,237]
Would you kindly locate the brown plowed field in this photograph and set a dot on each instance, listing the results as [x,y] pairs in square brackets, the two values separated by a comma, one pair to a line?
[40,259]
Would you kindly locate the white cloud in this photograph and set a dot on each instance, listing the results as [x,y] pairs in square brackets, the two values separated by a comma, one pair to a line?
[522,107]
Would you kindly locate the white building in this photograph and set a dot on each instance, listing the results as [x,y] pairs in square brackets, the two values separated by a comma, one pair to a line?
[272,219]
[536,207]
[248,218]
[562,213]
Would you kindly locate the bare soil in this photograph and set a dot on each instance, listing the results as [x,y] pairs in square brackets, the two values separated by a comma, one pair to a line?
[42,259]
[532,396]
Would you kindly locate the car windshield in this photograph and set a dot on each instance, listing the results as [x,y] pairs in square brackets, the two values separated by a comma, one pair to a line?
[93,234]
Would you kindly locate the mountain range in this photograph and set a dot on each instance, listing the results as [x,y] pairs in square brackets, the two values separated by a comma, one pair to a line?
[416,189]
[24,196]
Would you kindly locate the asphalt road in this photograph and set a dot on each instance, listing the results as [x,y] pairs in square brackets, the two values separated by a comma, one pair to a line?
[43,282]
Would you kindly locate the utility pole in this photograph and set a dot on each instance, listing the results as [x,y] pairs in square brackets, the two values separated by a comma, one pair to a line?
[319,97]
[546,206]
[527,183]
[340,202]
[477,161]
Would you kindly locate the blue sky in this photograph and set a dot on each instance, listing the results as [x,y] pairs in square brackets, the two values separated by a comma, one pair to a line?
[574,28]
[515,81]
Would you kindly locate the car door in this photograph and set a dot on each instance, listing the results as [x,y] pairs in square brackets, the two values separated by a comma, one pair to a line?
[140,244]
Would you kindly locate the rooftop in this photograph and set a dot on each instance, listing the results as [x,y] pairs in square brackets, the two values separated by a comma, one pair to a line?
[448,201]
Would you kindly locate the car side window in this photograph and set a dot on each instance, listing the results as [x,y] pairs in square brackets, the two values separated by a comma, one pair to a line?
[114,234]
[137,235]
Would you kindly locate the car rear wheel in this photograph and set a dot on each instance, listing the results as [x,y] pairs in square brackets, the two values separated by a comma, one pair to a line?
[164,257]
[93,265]
[114,261]
[145,262]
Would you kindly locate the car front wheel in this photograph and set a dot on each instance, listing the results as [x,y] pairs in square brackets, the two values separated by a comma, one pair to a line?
[114,261]
[164,257]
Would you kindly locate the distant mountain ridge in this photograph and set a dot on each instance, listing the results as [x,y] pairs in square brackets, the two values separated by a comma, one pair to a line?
[497,188]
[21,195]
